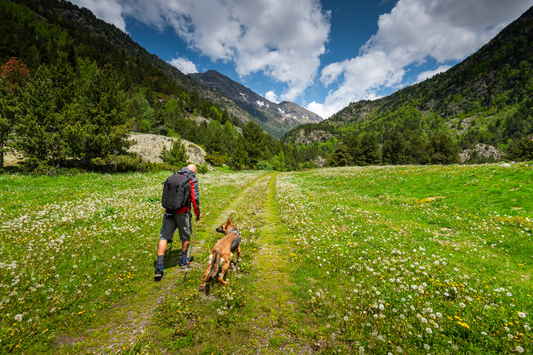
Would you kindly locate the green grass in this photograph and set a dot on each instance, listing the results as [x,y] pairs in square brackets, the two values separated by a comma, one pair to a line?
[344,260]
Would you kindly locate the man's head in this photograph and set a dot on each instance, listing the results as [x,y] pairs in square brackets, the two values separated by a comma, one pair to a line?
[192,168]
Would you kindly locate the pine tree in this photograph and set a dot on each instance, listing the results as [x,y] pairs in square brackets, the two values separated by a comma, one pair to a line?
[254,141]
[370,154]
[239,159]
[217,144]
[352,143]
[442,150]
[415,148]
[341,156]
[48,121]
[106,125]
[521,150]
[393,151]
[177,155]
[7,116]
[16,73]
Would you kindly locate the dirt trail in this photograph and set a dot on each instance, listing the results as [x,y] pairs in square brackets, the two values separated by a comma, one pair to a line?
[272,329]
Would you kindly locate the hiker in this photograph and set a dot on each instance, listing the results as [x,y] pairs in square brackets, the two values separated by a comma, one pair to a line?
[180,219]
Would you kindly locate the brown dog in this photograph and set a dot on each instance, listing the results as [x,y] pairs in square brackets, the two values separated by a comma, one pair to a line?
[222,253]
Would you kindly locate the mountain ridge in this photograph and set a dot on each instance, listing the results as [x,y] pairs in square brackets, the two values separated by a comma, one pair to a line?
[274,118]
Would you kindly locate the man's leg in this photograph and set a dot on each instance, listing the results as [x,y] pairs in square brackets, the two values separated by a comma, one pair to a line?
[161,250]
[183,222]
[167,232]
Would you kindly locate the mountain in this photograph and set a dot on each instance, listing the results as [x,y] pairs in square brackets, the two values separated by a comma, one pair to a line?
[485,99]
[274,118]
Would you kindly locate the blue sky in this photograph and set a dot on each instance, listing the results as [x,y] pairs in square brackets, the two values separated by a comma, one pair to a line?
[320,54]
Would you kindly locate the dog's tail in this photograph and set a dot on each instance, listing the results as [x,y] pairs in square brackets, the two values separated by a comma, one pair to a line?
[214,266]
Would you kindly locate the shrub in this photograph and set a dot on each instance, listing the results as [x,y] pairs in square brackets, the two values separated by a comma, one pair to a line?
[263,165]
[202,169]
[176,156]
[216,159]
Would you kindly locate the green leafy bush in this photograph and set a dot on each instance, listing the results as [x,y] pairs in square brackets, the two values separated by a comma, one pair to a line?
[263,165]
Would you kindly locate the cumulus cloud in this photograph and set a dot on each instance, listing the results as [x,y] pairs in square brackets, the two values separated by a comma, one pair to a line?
[184,65]
[412,32]
[282,39]
[430,73]
[110,11]
[272,97]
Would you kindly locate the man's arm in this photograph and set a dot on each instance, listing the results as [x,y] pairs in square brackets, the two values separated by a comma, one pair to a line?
[195,197]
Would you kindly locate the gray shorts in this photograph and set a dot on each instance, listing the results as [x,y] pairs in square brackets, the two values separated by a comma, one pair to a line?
[181,221]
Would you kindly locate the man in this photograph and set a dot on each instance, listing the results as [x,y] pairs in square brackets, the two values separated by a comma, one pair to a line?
[181,220]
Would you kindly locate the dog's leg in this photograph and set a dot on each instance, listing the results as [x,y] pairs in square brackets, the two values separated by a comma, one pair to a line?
[225,268]
[204,281]
[239,254]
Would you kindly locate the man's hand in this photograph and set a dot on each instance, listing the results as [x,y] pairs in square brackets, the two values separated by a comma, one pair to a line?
[198,217]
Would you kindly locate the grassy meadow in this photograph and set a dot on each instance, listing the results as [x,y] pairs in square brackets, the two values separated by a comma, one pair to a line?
[418,260]
[378,260]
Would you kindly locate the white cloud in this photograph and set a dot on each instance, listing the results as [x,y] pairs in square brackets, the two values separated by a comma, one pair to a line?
[413,31]
[282,39]
[184,65]
[272,97]
[430,73]
[110,11]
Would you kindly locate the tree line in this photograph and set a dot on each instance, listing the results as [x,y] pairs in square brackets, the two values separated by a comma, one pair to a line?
[400,149]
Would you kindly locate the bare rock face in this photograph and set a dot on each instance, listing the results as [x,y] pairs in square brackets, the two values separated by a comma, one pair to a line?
[149,147]
[313,136]
[483,151]
[319,161]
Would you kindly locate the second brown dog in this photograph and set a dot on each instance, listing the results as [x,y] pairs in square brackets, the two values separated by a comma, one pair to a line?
[222,253]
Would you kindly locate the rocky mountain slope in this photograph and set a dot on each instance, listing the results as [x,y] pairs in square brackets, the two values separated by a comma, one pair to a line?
[274,118]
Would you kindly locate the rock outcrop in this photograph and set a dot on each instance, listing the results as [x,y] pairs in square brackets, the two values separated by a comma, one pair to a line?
[482,151]
[149,147]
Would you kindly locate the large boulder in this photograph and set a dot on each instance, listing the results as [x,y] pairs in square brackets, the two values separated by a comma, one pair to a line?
[149,147]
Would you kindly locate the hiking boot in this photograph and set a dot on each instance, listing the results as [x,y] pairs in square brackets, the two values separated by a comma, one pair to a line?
[159,271]
[184,262]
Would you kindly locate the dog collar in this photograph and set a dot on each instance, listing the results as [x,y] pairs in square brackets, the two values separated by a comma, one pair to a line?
[234,230]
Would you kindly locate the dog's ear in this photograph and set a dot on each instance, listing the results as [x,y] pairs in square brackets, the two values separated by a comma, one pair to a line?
[230,220]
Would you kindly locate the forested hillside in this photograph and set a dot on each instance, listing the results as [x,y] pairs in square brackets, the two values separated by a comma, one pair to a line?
[486,99]
[70,97]
[84,20]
